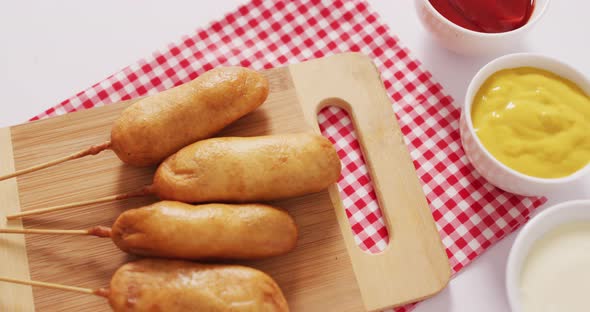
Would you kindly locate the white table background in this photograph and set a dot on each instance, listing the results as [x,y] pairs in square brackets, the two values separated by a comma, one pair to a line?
[50,50]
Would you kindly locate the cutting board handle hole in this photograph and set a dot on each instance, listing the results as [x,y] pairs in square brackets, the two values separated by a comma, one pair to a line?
[358,197]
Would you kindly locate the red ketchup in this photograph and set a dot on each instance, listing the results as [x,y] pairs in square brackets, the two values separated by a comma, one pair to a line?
[489,16]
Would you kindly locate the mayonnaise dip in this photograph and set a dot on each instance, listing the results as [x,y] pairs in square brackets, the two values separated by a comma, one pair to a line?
[556,273]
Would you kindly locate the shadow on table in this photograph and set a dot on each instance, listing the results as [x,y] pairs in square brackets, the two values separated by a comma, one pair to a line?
[455,71]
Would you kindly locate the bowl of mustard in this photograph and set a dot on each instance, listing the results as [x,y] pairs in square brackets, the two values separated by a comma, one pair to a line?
[525,125]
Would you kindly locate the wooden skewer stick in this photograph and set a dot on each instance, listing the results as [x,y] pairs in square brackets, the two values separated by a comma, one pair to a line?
[100,231]
[98,292]
[92,150]
[139,193]
[44,231]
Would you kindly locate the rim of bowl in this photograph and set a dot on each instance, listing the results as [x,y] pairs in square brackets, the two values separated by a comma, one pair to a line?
[467,112]
[511,269]
[529,23]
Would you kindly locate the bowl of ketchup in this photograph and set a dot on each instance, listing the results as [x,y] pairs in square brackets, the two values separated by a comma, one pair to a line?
[479,26]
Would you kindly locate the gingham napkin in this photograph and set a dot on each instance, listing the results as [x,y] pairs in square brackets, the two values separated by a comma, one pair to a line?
[470,214]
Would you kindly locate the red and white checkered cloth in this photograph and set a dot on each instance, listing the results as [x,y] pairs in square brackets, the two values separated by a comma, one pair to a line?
[470,213]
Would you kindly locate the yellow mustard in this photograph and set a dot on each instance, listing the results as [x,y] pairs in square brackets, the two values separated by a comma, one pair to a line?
[534,122]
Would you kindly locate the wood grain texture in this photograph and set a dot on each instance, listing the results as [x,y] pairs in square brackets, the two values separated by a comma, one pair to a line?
[317,276]
[13,251]
[414,265]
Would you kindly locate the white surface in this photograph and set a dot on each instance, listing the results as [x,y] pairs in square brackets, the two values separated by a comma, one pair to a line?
[552,249]
[53,49]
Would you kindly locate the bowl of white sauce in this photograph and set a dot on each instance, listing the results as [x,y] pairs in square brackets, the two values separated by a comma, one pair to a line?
[549,264]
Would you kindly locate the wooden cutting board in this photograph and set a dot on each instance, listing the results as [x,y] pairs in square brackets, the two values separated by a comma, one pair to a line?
[326,272]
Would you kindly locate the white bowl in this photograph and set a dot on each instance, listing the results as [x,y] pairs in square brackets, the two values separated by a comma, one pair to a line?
[544,222]
[465,41]
[487,165]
